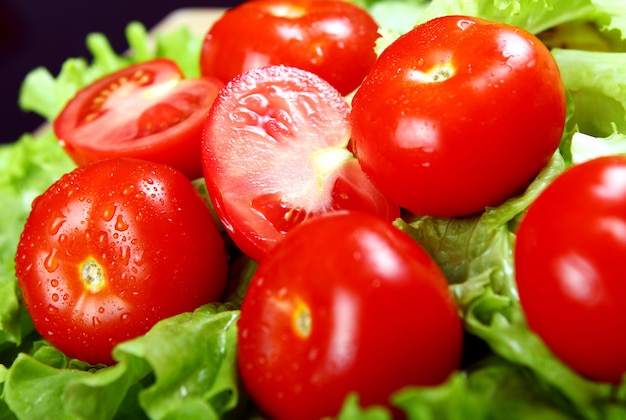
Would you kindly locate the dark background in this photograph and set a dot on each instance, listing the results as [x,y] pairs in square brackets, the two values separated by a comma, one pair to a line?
[45,32]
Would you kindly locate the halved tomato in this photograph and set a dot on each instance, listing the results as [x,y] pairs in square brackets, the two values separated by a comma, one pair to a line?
[145,111]
[275,152]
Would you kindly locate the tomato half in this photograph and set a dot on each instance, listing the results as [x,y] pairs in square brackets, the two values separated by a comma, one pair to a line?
[275,153]
[331,38]
[569,257]
[346,302]
[144,111]
[458,114]
[113,247]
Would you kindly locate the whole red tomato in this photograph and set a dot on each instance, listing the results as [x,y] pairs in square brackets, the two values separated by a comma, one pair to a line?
[275,154]
[346,302]
[144,111]
[571,245]
[457,115]
[331,38]
[113,247]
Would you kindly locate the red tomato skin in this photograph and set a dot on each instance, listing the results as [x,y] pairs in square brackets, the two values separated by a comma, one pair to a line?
[154,238]
[259,145]
[569,257]
[467,141]
[381,317]
[166,128]
[333,39]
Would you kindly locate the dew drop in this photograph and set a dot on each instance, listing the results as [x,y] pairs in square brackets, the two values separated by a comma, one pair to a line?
[120,223]
[138,258]
[55,297]
[148,180]
[108,212]
[56,223]
[124,317]
[125,254]
[95,321]
[52,309]
[101,310]
[128,190]
[103,240]
[54,283]
[463,24]
[51,263]
[66,296]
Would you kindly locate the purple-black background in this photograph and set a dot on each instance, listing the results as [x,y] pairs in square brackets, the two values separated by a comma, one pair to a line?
[45,32]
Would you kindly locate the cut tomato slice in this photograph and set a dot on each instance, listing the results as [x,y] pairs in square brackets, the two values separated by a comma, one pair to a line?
[275,153]
[146,111]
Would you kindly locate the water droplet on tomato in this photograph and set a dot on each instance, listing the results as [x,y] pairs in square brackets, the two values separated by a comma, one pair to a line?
[66,296]
[125,254]
[108,212]
[148,180]
[103,240]
[101,310]
[52,309]
[128,190]
[54,283]
[56,223]
[463,24]
[138,258]
[139,217]
[124,317]
[51,263]
[95,321]
[120,223]
[55,297]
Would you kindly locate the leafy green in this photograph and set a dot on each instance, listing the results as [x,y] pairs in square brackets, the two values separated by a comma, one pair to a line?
[535,15]
[184,367]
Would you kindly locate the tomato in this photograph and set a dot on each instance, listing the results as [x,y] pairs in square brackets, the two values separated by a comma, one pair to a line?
[346,302]
[113,247]
[331,38]
[275,153]
[458,114]
[569,256]
[145,111]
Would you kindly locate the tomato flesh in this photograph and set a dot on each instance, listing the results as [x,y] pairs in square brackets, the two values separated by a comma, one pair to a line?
[333,39]
[113,247]
[275,154]
[346,302]
[146,111]
[457,115]
[569,267]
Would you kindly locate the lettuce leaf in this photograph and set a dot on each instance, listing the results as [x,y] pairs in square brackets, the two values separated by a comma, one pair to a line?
[535,15]
[184,367]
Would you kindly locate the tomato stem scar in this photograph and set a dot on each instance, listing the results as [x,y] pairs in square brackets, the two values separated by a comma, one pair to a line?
[92,275]
[302,322]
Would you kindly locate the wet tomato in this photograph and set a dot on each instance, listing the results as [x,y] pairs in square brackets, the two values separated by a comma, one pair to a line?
[331,38]
[113,247]
[457,115]
[569,252]
[346,302]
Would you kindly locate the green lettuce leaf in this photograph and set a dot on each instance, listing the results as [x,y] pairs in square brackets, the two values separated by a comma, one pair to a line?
[29,166]
[536,15]
[598,91]
[184,367]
